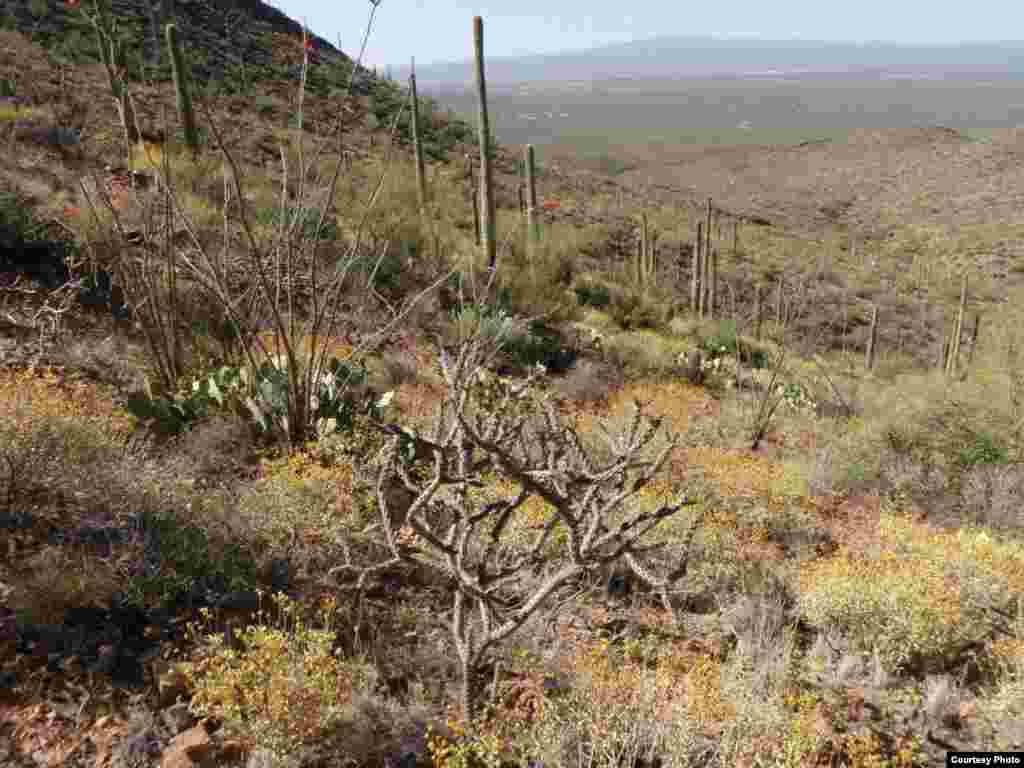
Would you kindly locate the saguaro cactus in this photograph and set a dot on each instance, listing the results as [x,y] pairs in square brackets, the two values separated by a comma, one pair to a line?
[487,223]
[184,99]
[474,199]
[757,312]
[532,224]
[417,145]
[695,283]
[869,355]
[958,329]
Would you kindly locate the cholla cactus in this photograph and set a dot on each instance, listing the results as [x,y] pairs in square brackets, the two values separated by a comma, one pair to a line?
[488,548]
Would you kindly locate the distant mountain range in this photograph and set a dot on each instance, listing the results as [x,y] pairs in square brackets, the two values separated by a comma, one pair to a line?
[688,57]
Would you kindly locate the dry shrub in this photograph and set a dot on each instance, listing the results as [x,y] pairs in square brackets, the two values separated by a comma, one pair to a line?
[398,368]
[622,712]
[54,434]
[993,495]
[56,579]
[299,509]
[112,361]
[589,381]
[218,448]
[640,353]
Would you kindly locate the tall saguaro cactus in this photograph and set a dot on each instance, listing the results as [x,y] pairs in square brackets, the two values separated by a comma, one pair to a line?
[184,99]
[695,275]
[869,354]
[417,144]
[532,224]
[487,224]
[958,328]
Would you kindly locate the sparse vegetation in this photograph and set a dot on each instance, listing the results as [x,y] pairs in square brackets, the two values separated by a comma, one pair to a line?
[501,520]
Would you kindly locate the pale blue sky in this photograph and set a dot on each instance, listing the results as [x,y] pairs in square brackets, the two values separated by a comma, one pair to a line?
[441,30]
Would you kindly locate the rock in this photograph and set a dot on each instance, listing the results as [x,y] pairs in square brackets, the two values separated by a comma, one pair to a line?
[191,749]
[137,750]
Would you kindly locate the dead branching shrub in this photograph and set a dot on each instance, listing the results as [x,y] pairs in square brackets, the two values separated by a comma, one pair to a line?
[583,519]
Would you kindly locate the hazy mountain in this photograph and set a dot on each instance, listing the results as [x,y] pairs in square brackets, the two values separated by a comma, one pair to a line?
[679,56]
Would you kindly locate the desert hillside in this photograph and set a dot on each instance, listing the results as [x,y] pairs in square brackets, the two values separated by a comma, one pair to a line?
[721,464]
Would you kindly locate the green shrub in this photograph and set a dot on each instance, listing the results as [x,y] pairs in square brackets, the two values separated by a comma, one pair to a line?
[308,218]
[592,295]
[538,345]
[181,556]
[264,103]
[982,449]
[388,274]
[722,342]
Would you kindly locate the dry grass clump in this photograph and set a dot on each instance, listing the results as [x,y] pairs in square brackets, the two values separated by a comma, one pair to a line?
[993,495]
[57,578]
[299,508]
[53,433]
[219,448]
[589,382]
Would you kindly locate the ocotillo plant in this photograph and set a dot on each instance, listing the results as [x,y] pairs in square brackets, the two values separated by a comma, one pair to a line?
[112,54]
[532,224]
[487,223]
[869,355]
[184,99]
[417,145]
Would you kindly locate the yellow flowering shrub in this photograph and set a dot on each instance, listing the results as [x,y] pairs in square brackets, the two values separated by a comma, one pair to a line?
[916,596]
[282,687]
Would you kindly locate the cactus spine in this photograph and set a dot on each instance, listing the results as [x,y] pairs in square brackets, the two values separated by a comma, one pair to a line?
[487,223]
[184,99]
[417,145]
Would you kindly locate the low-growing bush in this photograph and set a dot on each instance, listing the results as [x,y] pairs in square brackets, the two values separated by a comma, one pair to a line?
[305,219]
[592,295]
[282,687]
[538,346]
[632,310]
[722,342]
